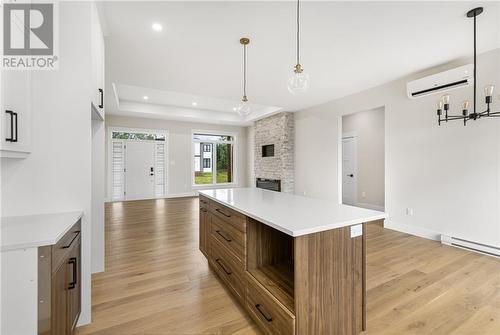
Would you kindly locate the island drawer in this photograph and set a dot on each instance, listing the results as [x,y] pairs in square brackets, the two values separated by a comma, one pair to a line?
[237,220]
[62,248]
[274,318]
[204,202]
[228,267]
[232,238]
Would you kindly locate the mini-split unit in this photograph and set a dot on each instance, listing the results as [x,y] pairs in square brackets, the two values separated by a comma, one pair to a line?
[462,76]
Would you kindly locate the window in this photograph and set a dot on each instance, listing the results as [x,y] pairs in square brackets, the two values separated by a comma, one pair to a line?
[213,159]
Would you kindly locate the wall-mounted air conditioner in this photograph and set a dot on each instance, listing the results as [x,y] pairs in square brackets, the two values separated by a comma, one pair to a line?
[445,81]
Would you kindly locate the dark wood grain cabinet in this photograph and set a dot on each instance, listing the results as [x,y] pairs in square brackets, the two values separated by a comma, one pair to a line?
[309,284]
[59,289]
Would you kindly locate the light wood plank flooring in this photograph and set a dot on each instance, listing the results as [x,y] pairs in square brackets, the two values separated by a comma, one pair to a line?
[158,282]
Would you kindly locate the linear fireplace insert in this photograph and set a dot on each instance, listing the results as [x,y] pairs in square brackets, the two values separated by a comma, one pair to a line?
[269,184]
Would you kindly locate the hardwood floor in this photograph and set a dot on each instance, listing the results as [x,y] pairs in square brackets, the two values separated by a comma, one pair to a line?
[158,282]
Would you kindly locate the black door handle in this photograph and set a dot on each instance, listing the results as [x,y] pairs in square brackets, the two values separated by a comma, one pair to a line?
[72,261]
[101,91]
[350,175]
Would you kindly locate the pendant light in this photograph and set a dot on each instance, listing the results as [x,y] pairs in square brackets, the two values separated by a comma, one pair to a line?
[444,103]
[299,81]
[243,108]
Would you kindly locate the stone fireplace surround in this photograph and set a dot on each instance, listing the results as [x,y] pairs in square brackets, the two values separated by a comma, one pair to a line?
[278,130]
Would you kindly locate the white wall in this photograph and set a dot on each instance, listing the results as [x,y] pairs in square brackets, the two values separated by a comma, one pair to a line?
[179,182]
[98,194]
[369,129]
[449,175]
[56,176]
[250,152]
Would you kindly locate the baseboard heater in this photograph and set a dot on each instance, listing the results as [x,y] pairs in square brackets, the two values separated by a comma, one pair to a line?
[469,245]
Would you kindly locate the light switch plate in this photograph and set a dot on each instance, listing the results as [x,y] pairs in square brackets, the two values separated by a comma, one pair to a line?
[356,230]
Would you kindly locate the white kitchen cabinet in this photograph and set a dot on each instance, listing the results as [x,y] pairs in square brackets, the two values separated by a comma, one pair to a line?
[97,52]
[16,113]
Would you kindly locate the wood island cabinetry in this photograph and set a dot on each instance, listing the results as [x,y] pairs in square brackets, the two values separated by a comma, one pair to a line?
[307,284]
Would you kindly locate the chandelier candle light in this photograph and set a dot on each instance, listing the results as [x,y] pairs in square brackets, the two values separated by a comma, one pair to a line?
[299,81]
[244,109]
[444,103]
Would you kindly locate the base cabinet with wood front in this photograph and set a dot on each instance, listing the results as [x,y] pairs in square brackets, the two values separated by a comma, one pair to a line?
[288,281]
[41,274]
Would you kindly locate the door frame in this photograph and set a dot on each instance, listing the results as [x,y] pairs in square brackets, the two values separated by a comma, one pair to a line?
[109,163]
[346,135]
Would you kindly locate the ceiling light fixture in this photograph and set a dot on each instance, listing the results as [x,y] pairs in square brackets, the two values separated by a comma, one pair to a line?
[145,97]
[157,27]
[194,104]
[299,81]
[444,102]
[244,109]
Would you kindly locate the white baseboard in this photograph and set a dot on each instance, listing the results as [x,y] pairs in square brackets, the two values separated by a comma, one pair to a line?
[168,196]
[413,230]
[370,206]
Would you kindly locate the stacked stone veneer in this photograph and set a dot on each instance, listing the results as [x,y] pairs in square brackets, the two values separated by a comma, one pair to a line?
[278,130]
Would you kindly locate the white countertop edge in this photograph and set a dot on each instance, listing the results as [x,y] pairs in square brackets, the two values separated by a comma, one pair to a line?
[301,232]
[40,243]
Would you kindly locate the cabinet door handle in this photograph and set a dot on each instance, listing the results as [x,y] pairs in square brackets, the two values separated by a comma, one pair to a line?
[72,240]
[12,138]
[226,215]
[224,237]
[101,92]
[73,262]
[259,308]
[15,117]
[219,261]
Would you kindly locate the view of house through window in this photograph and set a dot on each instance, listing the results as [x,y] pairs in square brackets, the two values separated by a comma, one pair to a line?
[213,159]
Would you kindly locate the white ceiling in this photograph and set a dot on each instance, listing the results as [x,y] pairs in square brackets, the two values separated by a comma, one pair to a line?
[346,47]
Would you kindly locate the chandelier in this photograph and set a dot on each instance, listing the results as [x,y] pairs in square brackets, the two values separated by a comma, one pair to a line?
[299,80]
[444,103]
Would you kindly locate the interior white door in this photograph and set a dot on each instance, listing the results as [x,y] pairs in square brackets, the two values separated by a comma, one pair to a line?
[349,171]
[140,162]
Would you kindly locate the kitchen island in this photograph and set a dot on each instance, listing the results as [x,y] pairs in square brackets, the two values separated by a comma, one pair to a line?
[296,264]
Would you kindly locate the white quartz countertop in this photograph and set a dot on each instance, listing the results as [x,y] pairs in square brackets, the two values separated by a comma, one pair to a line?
[20,232]
[291,214]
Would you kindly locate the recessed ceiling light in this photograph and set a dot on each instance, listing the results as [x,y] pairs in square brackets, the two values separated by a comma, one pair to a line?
[157,27]
[194,103]
[234,109]
[145,97]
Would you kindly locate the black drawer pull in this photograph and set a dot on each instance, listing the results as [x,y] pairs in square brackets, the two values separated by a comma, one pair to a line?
[72,261]
[259,308]
[74,238]
[226,215]
[219,261]
[224,237]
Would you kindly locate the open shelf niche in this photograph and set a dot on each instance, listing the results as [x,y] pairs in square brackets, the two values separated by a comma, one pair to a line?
[270,260]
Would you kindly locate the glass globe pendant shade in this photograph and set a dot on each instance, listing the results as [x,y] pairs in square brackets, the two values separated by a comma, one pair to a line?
[243,108]
[299,81]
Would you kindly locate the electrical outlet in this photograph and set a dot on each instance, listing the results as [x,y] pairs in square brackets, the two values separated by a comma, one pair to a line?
[356,230]
[409,211]
[363,194]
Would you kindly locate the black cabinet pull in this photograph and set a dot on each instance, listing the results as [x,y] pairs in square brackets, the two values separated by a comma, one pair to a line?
[226,215]
[224,237]
[72,240]
[13,116]
[219,261]
[259,308]
[101,92]
[73,262]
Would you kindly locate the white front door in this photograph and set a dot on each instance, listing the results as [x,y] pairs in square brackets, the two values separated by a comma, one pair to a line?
[140,162]
[349,171]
